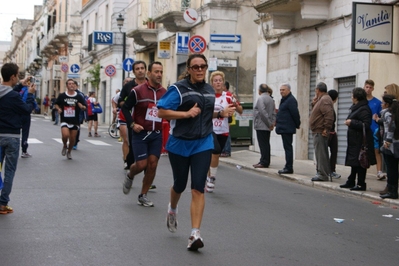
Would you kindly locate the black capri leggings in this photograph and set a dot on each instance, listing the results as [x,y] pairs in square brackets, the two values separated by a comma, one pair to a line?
[219,142]
[198,164]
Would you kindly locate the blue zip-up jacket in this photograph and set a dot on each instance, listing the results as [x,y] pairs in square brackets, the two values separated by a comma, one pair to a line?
[12,108]
[194,127]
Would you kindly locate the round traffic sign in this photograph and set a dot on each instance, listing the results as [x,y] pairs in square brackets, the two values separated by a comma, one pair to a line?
[110,70]
[197,44]
[64,68]
[190,15]
[75,68]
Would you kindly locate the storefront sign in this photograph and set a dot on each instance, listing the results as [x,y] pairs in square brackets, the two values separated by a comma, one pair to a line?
[372,27]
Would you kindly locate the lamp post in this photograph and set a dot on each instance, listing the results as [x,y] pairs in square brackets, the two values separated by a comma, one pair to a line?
[119,22]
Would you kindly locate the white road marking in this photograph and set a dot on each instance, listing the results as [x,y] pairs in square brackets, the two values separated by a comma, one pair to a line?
[58,140]
[33,141]
[98,142]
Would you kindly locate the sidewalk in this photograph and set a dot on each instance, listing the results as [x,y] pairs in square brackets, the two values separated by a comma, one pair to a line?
[304,170]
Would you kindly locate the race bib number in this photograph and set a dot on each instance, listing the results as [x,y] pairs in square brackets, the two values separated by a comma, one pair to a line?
[217,123]
[152,113]
[69,111]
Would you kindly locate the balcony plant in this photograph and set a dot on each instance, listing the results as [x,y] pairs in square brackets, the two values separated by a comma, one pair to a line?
[150,23]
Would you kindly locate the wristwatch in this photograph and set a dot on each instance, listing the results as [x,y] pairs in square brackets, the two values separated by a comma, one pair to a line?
[132,125]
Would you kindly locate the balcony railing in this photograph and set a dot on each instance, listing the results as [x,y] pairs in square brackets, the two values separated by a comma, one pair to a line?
[163,7]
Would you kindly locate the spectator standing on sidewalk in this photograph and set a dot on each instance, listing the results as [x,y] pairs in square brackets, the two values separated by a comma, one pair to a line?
[288,121]
[375,106]
[359,115]
[389,118]
[321,121]
[333,139]
[12,108]
[264,122]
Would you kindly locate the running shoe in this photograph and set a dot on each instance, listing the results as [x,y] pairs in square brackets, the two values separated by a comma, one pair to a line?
[210,184]
[195,241]
[153,187]
[64,150]
[127,184]
[171,221]
[25,155]
[144,201]
[69,156]
[75,147]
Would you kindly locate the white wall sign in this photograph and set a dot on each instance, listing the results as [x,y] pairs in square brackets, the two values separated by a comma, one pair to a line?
[228,47]
[63,59]
[227,62]
[164,50]
[212,64]
[372,27]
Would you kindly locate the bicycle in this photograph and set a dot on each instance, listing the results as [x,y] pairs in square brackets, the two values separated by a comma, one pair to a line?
[113,131]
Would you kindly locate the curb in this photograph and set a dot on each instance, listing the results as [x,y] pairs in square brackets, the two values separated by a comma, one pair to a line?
[305,180]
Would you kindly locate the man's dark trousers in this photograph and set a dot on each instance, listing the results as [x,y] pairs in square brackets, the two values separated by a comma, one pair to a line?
[263,137]
[289,153]
[25,132]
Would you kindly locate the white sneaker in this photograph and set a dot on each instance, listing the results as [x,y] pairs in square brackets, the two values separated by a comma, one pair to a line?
[171,222]
[195,241]
[25,155]
[144,201]
[210,184]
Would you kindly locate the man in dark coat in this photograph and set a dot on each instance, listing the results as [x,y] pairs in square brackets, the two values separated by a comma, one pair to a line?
[287,122]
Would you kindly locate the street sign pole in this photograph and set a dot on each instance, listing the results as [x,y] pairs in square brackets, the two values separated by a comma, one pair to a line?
[123,55]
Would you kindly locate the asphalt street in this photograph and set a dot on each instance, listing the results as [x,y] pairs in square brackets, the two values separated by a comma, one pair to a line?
[73,212]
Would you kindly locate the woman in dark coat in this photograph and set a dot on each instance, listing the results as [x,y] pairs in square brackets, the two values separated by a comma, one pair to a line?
[360,114]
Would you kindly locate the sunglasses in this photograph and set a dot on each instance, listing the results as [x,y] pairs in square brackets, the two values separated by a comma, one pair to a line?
[198,67]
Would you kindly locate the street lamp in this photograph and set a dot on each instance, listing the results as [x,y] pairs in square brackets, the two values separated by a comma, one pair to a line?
[119,22]
[45,64]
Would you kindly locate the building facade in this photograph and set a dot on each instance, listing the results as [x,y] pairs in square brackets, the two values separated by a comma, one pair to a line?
[305,42]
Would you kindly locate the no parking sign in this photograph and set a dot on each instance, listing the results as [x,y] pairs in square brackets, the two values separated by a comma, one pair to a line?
[197,44]
[110,70]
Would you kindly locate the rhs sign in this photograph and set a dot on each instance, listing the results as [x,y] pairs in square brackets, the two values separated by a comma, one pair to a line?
[372,27]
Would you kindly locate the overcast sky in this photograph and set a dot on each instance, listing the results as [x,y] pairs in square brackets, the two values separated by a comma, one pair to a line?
[11,10]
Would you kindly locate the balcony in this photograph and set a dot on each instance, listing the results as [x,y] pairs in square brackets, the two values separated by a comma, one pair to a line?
[140,25]
[56,38]
[289,14]
[170,14]
[144,37]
